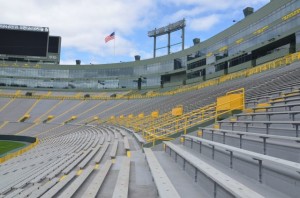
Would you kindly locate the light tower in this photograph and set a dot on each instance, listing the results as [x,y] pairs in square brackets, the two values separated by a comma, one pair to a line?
[179,25]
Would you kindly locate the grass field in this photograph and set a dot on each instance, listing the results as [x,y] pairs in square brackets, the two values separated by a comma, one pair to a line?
[6,146]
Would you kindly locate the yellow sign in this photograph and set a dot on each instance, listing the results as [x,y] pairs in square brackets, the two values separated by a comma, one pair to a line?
[27,116]
[200,133]
[73,117]
[155,114]
[261,30]
[239,41]
[209,54]
[177,111]
[291,15]
[232,101]
[222,49]
[130,116]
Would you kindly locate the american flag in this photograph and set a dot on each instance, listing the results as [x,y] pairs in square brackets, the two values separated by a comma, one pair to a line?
[110,37]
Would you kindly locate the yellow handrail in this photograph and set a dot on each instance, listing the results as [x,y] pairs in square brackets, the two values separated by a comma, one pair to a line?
[162,128]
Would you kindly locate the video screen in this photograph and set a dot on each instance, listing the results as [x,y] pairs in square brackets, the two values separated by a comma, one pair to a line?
[53,46]
[23,43]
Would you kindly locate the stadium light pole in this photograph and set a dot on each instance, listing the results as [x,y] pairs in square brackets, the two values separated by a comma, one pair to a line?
[169,42]
[182,35]
[179,25]
[154,49]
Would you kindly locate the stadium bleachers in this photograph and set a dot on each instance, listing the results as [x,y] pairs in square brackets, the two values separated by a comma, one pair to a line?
[254,153]
[219,119]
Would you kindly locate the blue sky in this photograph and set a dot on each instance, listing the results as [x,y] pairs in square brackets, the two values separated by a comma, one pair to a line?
[83,24]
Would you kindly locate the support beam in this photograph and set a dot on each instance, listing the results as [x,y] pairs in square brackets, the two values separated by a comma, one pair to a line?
[169,42]
[154,48]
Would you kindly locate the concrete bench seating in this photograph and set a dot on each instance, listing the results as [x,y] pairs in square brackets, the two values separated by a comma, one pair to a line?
[122,185]
[101,153]
[262,165]
[96,141]
[63,166]
[268,114]
[119,130]
[75,185]
[98,180]
[267,124]
[101,141]
[123,133]
[89,157]
[286,106]
[295,92]
[14,193]
[283,147]
[139,138]
[114,148]
[278,137]
[221,180]
[57,188]
[76,162]
[12,168]
[115,135]
[272,94]
[59,153]
[126,144]
[163,184]
[51,170]
[285,100]
[108,137]
[44,188]
[30,175]
[28,191]
[269,88]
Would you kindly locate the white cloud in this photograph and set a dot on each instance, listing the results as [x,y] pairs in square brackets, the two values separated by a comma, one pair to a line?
[83,24]
[68,62]
[143,54]
[204,23]
[202,15]
[183,13]
[215,4]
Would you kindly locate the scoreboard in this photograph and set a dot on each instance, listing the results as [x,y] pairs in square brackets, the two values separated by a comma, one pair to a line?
[28,43]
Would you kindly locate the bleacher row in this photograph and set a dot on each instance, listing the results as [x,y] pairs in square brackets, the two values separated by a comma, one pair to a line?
[62,110]
[253,154]
[63,163]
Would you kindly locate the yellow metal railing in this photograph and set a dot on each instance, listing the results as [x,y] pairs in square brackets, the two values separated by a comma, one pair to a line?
[181,123]
[237,102]
[165,125]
